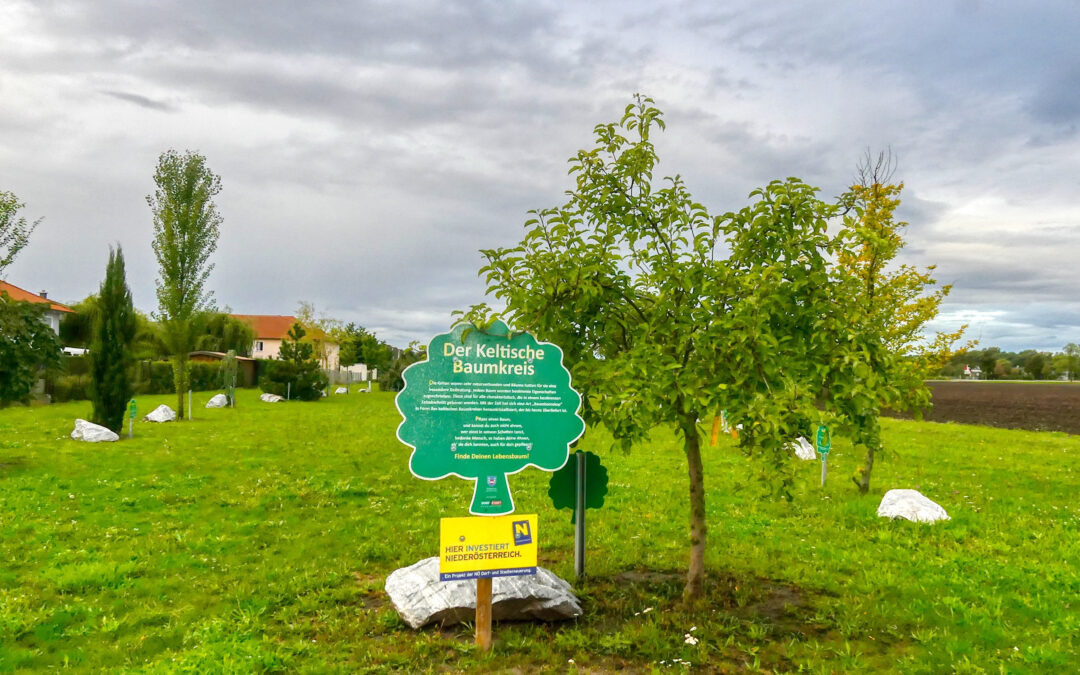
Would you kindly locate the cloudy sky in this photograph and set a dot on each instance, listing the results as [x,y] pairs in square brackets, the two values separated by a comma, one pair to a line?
[368,149]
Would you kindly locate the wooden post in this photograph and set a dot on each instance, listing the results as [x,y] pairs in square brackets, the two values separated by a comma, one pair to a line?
[715,431]
[483,614]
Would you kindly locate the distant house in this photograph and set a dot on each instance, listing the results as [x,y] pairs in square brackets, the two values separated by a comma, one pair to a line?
[272,329]
[55,312]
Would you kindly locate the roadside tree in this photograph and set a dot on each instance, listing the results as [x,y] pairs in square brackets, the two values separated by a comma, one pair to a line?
[893,304]
[186,229]
[114,326]
[359,345]
[14,230]
[1072,360]
[222,333]
[27,345]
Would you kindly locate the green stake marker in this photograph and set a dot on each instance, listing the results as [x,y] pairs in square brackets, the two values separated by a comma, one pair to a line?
[824,442]
[486,404]
[131,417]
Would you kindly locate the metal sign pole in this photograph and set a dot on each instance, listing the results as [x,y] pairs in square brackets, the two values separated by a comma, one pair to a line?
[579,518]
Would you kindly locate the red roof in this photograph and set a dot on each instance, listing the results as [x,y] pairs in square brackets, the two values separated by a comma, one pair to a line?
[268,326]
[17,293]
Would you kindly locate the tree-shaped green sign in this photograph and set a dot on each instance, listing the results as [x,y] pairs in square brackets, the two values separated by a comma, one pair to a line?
[563,486]
[486,404]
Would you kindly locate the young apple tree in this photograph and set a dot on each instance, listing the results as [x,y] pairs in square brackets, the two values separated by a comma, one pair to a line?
[657,327]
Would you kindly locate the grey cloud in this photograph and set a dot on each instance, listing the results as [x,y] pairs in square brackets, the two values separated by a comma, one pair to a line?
[142,101]
[1057,100]
[369,149]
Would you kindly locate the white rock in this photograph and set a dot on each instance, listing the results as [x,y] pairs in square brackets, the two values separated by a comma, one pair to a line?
[912,505]
[162,413]
[341,390]
[92,433]
[218,401]
[420,598]
[803,449]
[271,398]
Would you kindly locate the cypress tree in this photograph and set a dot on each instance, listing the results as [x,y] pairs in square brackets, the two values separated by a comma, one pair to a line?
[110,346]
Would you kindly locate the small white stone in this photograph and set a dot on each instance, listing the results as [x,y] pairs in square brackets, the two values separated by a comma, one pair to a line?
[341,390]
[271,398]
[218,401]
[420,598]
[162,413]
[92,433]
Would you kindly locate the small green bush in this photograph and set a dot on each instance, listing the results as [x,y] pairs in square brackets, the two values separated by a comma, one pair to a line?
[75,365]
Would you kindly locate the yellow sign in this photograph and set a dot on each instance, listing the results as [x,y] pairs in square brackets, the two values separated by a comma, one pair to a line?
[486,546]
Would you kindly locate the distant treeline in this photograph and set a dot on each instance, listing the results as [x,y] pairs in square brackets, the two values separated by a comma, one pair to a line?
[994,364]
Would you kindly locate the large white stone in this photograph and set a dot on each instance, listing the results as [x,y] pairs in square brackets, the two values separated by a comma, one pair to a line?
[803,449]
[420,598]
[271,398]
[92,433]
[218,401]
[912,505]
[341,390]
[162,413]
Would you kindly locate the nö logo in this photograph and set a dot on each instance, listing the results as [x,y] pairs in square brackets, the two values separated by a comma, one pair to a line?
[522,532]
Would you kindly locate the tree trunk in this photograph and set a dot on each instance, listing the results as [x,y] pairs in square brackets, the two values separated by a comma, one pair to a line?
[695,579]
[180,381]
[863,481]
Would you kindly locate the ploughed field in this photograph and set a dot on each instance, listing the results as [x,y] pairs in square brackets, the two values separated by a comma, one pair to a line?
[1036,406]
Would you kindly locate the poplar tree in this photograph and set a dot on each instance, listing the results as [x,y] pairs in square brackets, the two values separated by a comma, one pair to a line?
[114,325]
[186,229]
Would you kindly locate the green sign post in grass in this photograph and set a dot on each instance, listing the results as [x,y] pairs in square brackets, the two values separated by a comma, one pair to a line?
[824,442]
[486,404]
[131,417]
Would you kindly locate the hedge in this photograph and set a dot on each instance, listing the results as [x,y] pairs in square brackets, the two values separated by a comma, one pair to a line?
[148,377]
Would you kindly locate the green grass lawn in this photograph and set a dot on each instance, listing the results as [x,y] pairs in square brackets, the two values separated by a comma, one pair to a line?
[259,539]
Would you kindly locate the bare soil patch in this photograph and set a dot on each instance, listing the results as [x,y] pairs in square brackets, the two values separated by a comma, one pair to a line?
[1036,406]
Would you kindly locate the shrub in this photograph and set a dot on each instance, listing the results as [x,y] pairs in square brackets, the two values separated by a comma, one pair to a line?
[70,388]
[297,372]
